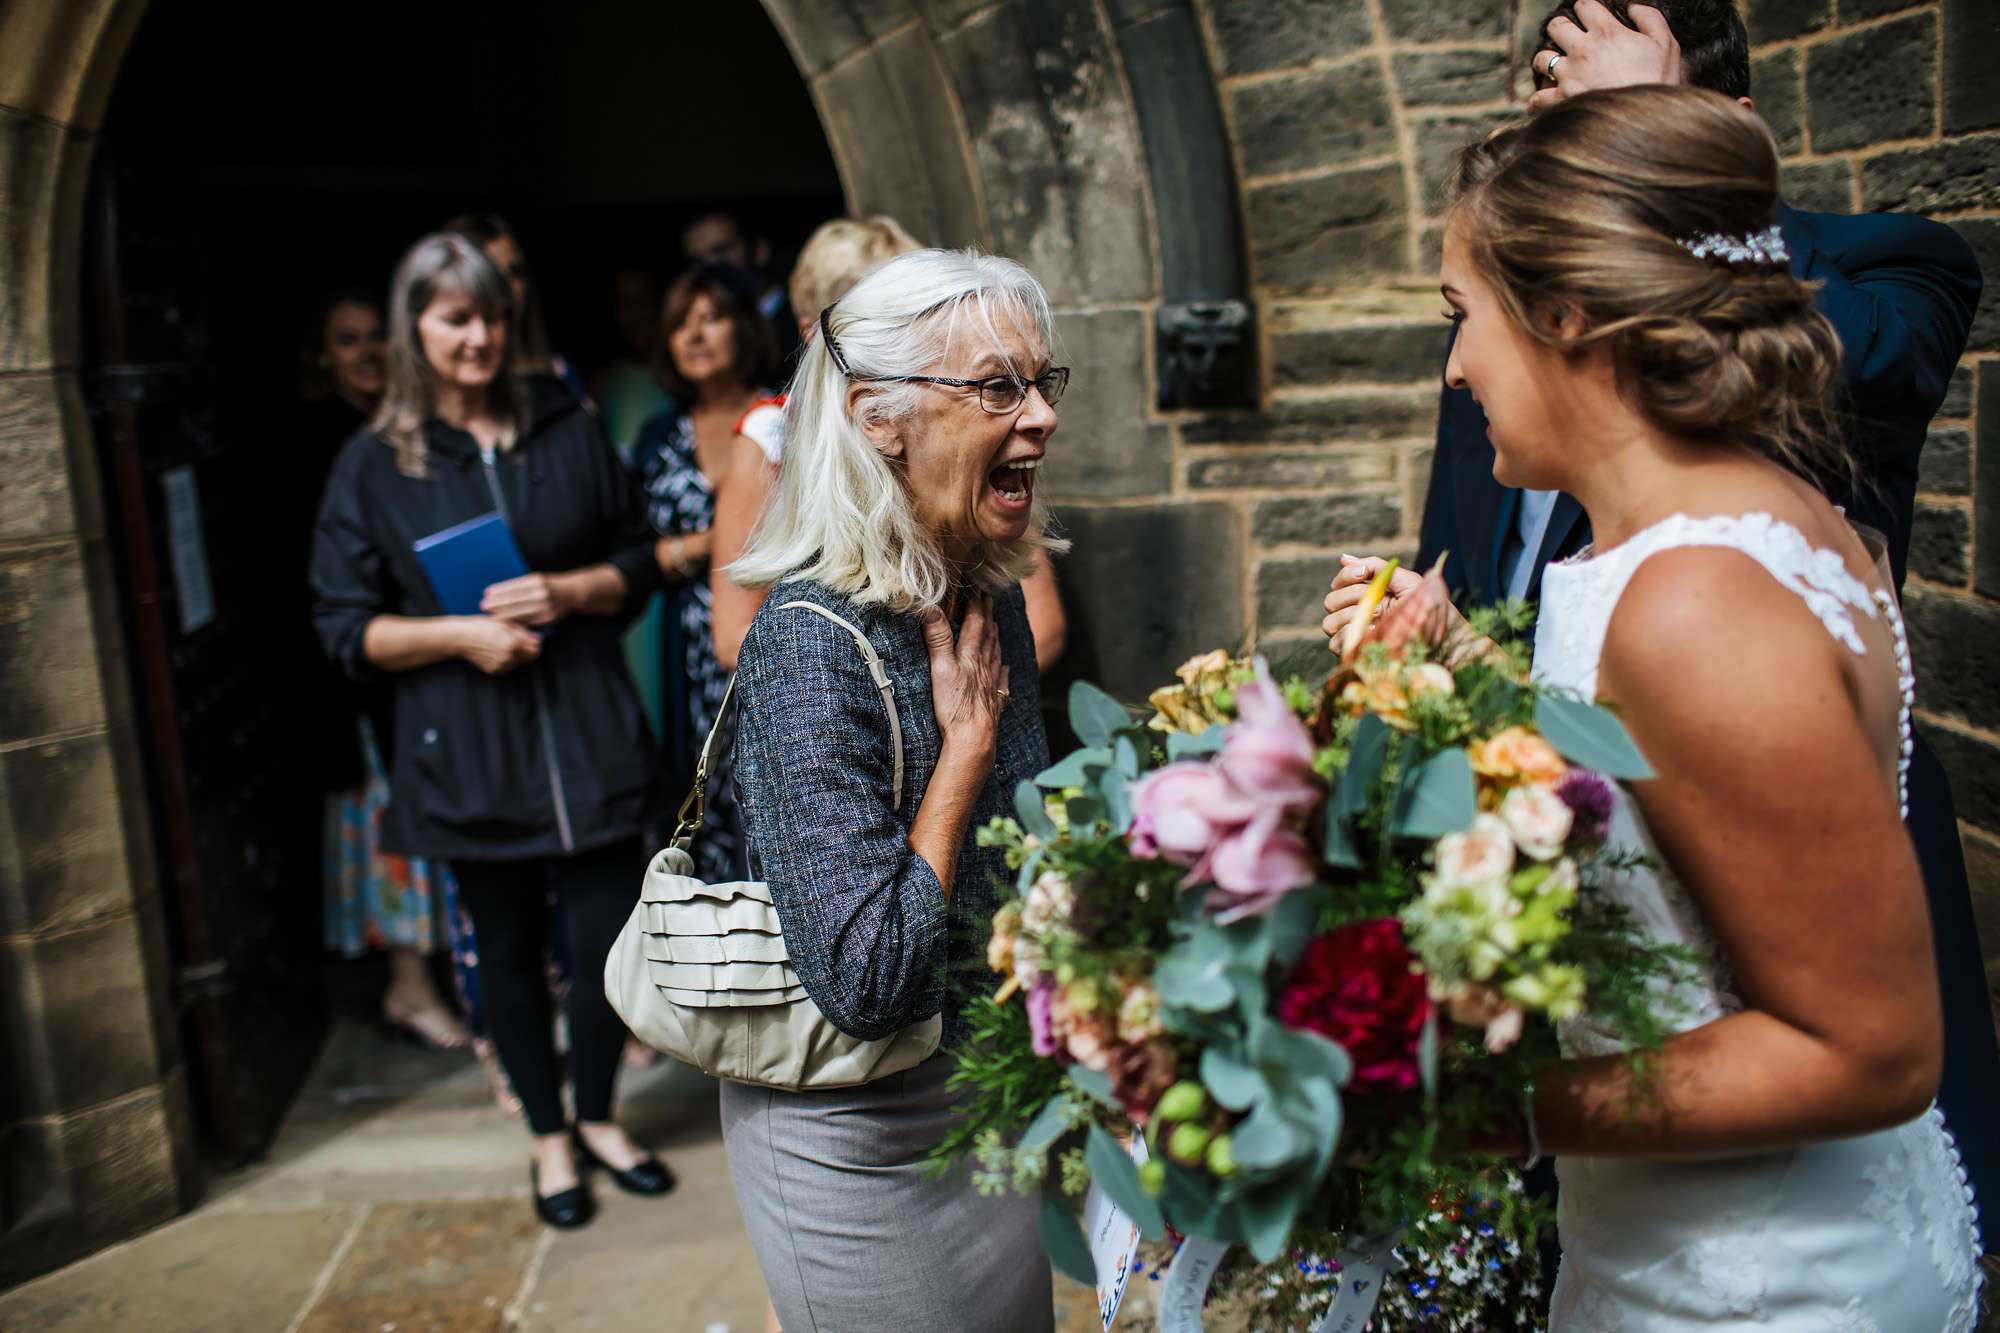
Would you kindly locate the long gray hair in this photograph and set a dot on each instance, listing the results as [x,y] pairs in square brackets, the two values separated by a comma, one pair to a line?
[840,513]
[441,264]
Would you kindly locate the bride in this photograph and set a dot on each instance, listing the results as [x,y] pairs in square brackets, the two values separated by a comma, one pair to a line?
[1627,321]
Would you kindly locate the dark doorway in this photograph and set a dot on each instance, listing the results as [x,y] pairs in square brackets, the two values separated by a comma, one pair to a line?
[255,159]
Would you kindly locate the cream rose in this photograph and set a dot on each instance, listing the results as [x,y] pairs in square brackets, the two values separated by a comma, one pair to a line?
[1050,899]
[1538,819]
[1482,853]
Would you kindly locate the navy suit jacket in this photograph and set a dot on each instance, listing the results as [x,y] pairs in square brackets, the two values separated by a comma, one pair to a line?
[1898,290]
[1900,293]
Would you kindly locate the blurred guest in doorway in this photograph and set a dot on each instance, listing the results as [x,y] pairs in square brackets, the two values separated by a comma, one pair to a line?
[374,899]
[535,360]
[482,774]
[629,393]
[720,238]
[715,352]
[833,260]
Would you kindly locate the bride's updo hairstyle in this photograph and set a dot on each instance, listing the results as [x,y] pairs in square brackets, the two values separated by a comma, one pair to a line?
[1602,204]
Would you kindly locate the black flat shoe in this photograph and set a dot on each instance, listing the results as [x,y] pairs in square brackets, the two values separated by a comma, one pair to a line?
[567,1209]
[651,1176]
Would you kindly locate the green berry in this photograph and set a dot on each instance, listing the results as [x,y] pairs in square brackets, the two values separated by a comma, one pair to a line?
[1188,1143]
[1183,1101]
[1221,1159]
[1153,1176]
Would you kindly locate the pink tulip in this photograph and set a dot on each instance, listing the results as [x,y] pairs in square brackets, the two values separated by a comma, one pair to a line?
[1180,810]
[1268,754]
[1256,865]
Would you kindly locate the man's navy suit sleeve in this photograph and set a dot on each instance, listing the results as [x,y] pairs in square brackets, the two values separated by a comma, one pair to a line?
[1900,292]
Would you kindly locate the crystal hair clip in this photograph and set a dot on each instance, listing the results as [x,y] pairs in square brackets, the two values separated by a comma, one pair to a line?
[1758,247]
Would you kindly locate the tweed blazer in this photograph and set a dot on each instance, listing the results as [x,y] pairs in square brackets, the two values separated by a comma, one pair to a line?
[865,920]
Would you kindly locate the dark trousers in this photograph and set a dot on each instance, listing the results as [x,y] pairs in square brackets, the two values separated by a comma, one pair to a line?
[511,924]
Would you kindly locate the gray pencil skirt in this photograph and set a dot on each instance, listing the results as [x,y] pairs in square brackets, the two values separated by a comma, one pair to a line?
[854,1237]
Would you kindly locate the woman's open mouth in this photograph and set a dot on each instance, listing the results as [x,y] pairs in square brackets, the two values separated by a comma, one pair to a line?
[1014,484]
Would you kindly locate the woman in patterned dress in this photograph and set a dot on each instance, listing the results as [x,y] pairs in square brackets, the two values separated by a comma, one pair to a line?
[715,350]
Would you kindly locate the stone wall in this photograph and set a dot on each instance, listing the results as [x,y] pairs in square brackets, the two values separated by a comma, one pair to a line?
[1345,118]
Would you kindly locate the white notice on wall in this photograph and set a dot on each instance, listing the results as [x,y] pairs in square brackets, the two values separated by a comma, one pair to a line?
[194,591]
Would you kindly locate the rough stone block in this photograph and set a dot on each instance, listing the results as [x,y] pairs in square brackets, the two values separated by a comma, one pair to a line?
[48,71]
[1940,538]
[1146,587]
[1345,418]
[820,34]
[1874,85]
[1819,187]
[1982,870]
[1958,394]
[1974,769]
[1955,643]
[80,997]
[1775,20]
[941,16]
[1291,590]
[1439,142]
[1956,173]
[1463,20]
[1333,521]
[1983,235]
[48,655]
[1336,230]
[1417,460]
[1946,465]
[1774,82]
[1319,470]
[1256,35]
[62,860]
[1854,11]
[1103,446]
[1328,117]
[1971,95]
[37,1235]
[31,165]
[894,130]
[1058,151]
[35,502]
[1986,486]
[1361,353]
[1452,78]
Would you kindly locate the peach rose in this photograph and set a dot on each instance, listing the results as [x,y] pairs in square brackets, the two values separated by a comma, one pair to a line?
[1482,854]
[1517,755]
[1538,819]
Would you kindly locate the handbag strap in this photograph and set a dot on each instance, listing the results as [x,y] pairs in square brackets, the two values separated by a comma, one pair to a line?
[695,807]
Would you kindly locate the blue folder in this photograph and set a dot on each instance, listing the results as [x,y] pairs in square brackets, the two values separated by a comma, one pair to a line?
[466,559]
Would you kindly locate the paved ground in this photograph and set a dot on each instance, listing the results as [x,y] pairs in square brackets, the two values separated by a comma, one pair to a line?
[395,1200]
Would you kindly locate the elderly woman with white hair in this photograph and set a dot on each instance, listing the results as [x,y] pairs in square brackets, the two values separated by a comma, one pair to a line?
[907,507]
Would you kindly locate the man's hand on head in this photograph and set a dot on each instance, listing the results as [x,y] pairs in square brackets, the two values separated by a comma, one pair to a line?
[1598,51]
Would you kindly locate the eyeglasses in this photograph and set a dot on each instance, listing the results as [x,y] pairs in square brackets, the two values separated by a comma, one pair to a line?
[997,393]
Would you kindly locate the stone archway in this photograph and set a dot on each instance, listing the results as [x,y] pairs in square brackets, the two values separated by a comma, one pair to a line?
[1014,127]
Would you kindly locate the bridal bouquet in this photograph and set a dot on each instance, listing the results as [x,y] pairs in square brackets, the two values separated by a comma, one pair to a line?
[1280,952]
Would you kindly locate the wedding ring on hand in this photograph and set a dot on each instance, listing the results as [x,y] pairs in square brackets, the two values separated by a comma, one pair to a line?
[1003,695]
[1550,72]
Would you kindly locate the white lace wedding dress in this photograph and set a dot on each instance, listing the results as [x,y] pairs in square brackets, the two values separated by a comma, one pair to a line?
[1874,1234]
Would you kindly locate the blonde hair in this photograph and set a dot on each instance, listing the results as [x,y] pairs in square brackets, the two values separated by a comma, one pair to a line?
[444,263]
[1585,207]
[837,254]
[840,513]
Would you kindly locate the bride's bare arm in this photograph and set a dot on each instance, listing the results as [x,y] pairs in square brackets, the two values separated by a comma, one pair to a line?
[1772,808]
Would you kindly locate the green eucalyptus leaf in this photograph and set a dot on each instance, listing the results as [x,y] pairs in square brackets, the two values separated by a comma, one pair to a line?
[1252,998]
[1033,815]
[1301,1055]
[1095,1084]
[1062,1237]
[1073,769]
[1367,752]
[1436,797]
[1326,1118]
[1125,757]
[1290,926]
[1048,1124]
[1113,1168]
[1193,1203]
[1083,811]
[1232,1080]
[1267,1141]
[1588,735]
[1116,794]
[1180,745]
[1094,715]
[1268,1213]
[1342,852]
[1192,984]
[1427,1054]
[1029,869]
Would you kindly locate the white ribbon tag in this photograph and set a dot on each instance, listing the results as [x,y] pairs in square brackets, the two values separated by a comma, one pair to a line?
[1185,1286]
[1114,1240]
[1362,1268]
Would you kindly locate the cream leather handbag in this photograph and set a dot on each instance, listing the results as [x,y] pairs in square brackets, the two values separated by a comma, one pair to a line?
[701,971]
